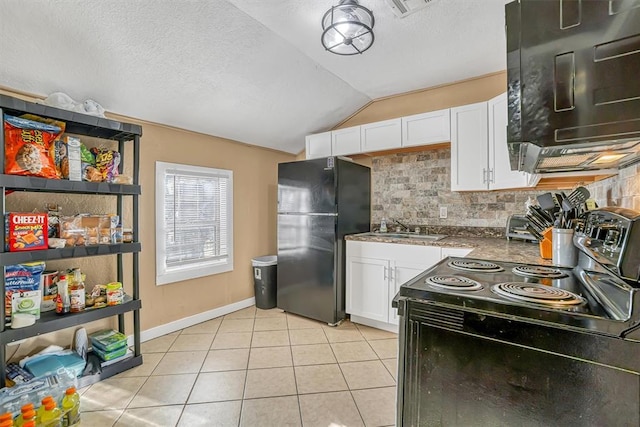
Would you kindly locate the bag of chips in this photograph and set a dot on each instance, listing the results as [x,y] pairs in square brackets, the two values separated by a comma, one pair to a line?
[107,162]
[28,147]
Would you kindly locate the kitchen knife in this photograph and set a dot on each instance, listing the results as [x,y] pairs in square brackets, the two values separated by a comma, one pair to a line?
[542,215]
[534,232]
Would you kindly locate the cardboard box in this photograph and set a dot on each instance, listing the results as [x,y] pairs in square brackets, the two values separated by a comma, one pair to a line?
[26,231]
[75,158]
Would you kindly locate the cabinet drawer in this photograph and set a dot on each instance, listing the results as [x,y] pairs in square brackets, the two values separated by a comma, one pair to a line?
[415,254]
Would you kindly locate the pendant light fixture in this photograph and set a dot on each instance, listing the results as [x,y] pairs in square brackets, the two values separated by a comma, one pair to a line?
[347,28]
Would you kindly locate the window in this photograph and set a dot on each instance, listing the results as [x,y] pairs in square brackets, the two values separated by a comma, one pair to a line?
[194,222]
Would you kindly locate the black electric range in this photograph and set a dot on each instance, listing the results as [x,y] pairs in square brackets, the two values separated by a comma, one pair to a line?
[500,343]
[540,294]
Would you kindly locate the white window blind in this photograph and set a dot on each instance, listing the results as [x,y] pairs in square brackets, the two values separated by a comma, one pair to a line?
[193,222]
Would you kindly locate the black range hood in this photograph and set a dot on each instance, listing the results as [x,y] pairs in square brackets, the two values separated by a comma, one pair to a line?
[573,70]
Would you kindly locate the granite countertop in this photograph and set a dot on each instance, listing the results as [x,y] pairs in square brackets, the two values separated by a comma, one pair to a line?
[487,248]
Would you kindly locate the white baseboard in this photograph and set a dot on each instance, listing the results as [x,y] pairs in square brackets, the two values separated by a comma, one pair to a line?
[389,327]
[185,322]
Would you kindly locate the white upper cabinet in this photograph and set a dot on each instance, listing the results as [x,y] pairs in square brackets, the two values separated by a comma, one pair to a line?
[469,147]
[318,145]
[345,141]
[501,175]
[383,135]
[479,156]
[426,128]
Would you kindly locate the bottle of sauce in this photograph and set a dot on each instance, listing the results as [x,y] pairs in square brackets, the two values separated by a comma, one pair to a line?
[63,303]
[76,292]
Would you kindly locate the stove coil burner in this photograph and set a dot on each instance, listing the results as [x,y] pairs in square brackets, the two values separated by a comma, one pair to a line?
[539,294]
[538,271]
[457,283]
[471,265]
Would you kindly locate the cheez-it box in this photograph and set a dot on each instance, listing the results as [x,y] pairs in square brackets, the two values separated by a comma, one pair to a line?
[26,231]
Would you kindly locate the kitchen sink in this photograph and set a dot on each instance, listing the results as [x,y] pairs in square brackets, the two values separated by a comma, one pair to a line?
[431,237]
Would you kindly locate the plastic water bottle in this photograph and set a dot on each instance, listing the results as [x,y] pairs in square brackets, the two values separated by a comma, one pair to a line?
[70,407]
[52,415]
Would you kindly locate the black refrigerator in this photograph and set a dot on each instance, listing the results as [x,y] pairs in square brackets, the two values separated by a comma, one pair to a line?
[319,202]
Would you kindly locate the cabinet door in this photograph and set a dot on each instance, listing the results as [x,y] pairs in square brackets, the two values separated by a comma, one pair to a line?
[426,128]
[345,141]
[318,145]
[501,175]
[367,288]
[469,148]
[381,135]
[402,272]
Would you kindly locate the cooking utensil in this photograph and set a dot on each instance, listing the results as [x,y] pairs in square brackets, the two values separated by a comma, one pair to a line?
[546,201]
[575,198]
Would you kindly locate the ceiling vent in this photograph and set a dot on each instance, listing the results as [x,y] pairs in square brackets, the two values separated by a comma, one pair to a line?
[404,8]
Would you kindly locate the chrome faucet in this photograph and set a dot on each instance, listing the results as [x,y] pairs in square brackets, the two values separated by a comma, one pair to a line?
[402,225]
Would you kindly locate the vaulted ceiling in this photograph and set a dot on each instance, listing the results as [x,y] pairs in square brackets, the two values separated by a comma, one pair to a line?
[248,70]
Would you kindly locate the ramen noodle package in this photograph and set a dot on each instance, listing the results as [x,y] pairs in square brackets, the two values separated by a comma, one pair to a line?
[28,147]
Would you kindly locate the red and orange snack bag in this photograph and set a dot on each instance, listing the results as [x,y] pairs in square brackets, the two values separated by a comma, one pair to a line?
[27,147]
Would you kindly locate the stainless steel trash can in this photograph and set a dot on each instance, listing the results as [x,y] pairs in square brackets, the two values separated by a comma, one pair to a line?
[265,280]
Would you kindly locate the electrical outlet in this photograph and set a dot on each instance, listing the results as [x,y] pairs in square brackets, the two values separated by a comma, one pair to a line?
[443,211]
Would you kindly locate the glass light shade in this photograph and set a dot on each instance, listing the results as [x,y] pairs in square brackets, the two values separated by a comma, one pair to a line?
[347,28]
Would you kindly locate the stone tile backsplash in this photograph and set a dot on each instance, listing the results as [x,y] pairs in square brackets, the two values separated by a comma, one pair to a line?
[411,187]
[622,190]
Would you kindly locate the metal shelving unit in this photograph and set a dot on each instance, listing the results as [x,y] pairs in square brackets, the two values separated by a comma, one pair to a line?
[83,125]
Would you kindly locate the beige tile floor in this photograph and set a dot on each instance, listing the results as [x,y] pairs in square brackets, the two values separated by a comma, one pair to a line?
[254,368]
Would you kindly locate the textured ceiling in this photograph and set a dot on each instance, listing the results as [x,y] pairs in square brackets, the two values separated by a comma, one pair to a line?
[249,70]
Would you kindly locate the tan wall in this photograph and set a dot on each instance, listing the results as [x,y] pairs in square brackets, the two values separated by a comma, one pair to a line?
[255,197]
[255,175]
[465,92]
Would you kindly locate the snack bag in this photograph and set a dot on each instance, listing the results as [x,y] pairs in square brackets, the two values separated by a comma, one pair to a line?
[58,148]
[107,162]
[28,147]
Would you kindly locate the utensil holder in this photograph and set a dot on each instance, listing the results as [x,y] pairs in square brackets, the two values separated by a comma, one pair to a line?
[565,254]
[546,250]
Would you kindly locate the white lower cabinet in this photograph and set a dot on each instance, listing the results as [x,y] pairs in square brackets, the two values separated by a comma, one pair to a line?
[457,252]
[374,274]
